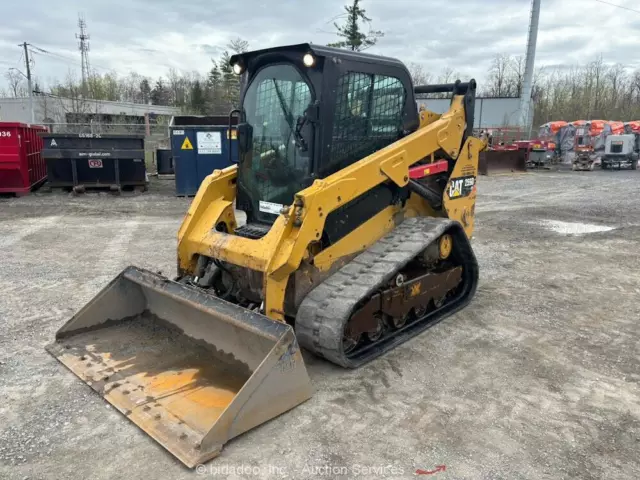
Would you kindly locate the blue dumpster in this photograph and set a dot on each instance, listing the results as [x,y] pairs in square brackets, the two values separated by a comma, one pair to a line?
[199,146]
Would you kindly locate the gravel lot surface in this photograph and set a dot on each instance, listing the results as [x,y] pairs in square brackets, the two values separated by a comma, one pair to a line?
[538,378]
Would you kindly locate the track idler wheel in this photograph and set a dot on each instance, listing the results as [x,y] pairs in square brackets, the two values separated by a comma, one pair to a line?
[350,341]
[439,301]
[399,322]
[420,311]
[375,335]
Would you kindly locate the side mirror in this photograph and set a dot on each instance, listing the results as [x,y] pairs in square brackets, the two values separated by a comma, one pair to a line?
[245,137]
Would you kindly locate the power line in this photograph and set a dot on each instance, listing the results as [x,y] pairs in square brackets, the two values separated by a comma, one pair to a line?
[67,59]
[55,57]
[336,17]
[618,6]
[17,62]
[62,57]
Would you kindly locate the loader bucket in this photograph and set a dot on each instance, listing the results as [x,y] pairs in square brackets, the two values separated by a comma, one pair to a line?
[190,369]
[495,162]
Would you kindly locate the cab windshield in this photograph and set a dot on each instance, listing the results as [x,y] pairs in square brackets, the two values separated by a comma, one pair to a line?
[277,161]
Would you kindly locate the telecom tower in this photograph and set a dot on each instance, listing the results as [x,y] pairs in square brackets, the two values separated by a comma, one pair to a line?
[83,46]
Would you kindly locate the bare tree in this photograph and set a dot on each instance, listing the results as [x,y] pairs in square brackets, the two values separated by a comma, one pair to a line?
[447,75]
[635,85]
[616,77]
[70,97]
[498,74]
[175,87]
[595,73]
[16,83]
[418,75]
[516,67]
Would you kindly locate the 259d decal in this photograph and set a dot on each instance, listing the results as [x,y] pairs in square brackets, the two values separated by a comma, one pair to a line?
[461,186]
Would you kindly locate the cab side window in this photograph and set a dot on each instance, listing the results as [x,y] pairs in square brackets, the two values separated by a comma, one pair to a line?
[368,116]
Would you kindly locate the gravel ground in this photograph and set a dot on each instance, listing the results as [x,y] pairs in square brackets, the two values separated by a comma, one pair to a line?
[537,378]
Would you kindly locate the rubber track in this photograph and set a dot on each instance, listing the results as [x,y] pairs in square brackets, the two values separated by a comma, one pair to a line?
[323,314]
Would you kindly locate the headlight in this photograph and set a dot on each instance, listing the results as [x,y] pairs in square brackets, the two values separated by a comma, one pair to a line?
[308,60]
[238,68]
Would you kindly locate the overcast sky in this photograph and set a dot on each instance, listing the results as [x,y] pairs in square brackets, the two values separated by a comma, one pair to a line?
[151,36]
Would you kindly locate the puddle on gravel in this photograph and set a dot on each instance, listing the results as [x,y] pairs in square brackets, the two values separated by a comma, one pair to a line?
[574,228]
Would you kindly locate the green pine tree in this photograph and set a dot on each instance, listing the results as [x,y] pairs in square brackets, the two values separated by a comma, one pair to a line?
[197,98]
[160,94]
[230,83]
[145,91]
[353,37]
[214,91]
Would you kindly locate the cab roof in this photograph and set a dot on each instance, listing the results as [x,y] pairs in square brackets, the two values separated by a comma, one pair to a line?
[320,51]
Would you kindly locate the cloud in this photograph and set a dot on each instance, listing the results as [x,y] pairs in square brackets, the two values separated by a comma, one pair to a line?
[150,37]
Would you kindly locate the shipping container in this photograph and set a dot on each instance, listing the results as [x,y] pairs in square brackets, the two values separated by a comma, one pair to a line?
[22,167]
[200,145]
[86,160]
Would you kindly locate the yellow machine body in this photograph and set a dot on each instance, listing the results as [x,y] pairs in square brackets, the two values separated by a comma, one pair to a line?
[279,253]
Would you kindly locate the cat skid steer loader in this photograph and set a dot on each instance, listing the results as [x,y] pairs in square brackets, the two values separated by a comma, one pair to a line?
[359,211]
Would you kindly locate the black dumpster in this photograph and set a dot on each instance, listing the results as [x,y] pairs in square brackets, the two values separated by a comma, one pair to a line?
[94,160]
[164,159]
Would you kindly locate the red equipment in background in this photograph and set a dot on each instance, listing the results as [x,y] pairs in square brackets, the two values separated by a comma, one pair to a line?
[586,133]
[617,128]
[22,167]
[550,130]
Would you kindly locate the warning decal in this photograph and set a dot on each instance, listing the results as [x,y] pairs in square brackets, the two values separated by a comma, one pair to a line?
[186,145]
[269,207]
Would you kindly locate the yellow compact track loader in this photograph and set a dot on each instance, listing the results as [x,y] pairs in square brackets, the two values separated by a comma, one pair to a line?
[359,211]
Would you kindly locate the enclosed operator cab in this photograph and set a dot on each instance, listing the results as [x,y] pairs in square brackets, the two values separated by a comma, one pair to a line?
[309,111]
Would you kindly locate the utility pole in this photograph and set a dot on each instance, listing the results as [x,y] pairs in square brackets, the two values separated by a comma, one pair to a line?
[26,61]
[532,40]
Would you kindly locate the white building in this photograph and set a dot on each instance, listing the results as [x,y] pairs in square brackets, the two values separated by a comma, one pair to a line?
[489,112]
[57,110]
